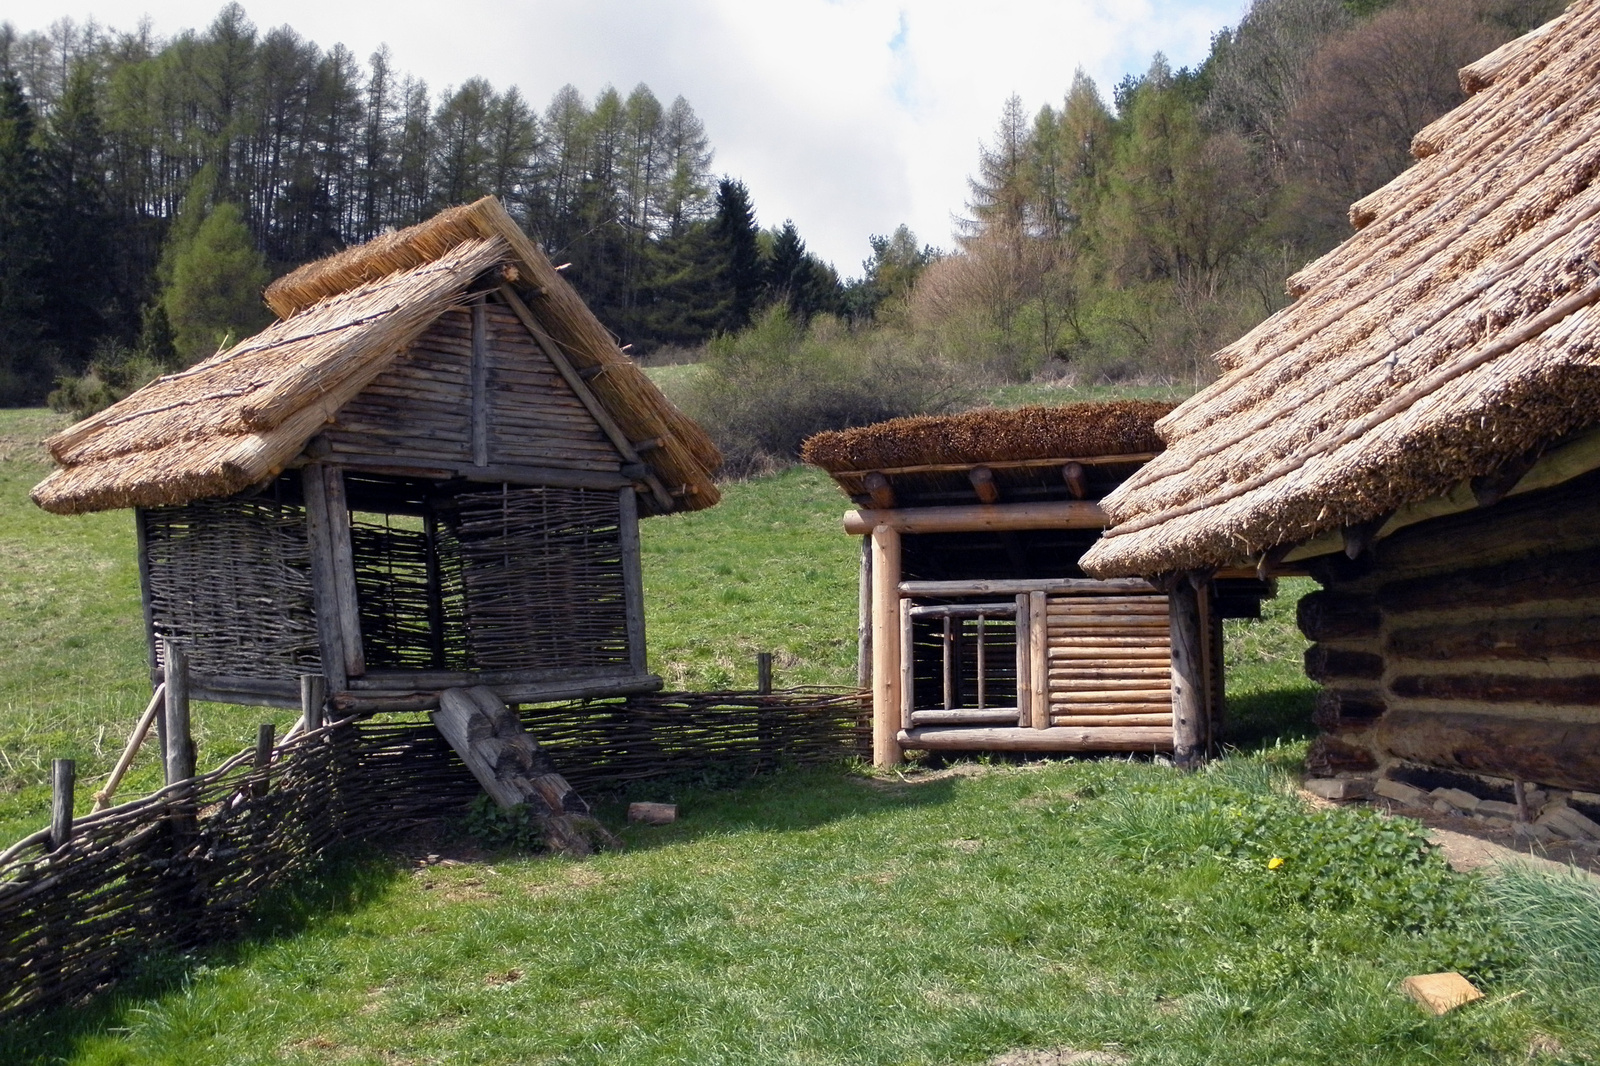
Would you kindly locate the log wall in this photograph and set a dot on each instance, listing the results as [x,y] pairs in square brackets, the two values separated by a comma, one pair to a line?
[1468,643]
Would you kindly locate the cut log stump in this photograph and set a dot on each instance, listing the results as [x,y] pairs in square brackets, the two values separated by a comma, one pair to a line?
[513,769]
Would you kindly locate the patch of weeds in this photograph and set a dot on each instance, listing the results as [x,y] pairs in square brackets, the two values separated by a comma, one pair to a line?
[500,829]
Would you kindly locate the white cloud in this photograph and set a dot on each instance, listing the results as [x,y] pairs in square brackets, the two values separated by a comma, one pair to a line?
[848,116]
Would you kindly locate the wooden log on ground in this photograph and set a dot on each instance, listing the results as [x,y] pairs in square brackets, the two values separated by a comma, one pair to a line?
[885,645]
[653,813]
[1188,692]
[1562,754]
[514,770]
[1075,514]
[1061,738]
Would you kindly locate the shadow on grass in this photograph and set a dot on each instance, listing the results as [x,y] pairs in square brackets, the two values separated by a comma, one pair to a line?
[1260,720]
[350,878]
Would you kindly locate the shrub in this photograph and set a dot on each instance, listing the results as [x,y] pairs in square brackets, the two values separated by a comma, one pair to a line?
[763,391]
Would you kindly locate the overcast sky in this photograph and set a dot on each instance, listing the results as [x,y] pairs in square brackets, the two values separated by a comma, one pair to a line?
[848,116]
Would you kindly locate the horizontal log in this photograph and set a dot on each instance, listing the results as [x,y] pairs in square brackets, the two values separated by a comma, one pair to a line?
[1565,577]
[229,683]
[237,698]
[1563,754]
[1074,514]
[1341,709]
[1081,586]
[1324,663]
[1143,605]
[420,680]
[987,716]
[1132,717]
[1110,647]
[1572,639]
[1325,615]
[1583,691]
[367,701]
[965,610]
[1106,695]
[1067,623]
[1063,686]
[1056,738]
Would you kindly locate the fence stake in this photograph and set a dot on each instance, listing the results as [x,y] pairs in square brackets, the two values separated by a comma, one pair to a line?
[313,695]
[263,763]
[764,673]
[63,777]
[179,743]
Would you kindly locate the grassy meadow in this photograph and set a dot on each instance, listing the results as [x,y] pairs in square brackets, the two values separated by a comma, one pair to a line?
[935,916]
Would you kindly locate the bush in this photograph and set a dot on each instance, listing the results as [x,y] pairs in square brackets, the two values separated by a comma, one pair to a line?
[114,372]
[763,391]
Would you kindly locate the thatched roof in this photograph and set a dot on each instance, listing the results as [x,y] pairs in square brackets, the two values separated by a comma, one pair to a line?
[927,456]
[1453,334]
[242,415]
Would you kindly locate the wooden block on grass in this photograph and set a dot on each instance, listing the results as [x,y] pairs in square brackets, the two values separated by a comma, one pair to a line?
[1440,993]
[653,813]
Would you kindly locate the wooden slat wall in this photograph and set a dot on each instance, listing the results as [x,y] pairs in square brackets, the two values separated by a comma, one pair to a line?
[1109,656]
[419,411]
[1467,643]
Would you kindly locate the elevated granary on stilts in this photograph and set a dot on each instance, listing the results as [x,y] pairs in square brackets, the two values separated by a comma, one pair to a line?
[1420,431]
[978,630]
[427,474]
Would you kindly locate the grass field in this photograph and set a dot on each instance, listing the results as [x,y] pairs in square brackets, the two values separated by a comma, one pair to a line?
[825,917]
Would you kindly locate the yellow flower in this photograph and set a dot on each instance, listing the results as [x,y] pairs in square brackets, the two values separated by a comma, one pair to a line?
[1274,862]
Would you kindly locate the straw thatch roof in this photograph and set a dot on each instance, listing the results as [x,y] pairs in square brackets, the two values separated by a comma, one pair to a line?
[241,416]
[1453,334]
[927,456]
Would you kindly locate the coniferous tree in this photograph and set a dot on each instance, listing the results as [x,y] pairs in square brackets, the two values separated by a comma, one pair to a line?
[26,363]
[737,245]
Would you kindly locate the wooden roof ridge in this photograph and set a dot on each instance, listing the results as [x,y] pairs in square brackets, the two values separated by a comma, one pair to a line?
[1448,336]
[239,416]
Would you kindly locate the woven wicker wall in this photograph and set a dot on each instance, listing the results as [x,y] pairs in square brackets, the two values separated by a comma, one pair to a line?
[230,580]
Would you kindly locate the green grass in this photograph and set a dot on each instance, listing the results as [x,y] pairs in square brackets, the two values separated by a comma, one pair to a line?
[821,917]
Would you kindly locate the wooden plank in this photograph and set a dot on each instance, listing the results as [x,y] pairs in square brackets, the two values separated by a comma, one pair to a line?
[885,646]
[1038,662]
[1188,691]
[325,599]
[1060,738]
[480,387]
[908,687]
[1162,715]
[1072,514]
[1110,694]
[1119,586]
[1135,716]
[344,572]
[1024,669]
[632,578]
[964,610]
[965,716]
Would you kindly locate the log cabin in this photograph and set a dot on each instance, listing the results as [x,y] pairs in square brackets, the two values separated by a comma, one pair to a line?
[426,474]
[1420,432]
[977,629]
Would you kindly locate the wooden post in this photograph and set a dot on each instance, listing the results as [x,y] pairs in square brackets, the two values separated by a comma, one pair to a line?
[947,658]
[885,646]
[982,665]
[325,598]
[263,760]
[1039,659]
[632,579]
[480,385]
[178,751]
[1024,664]
[763,673]
[344,571]
[864,617]
[908,666]
[313,698]
[1188,674]
[142,536]
[63,778]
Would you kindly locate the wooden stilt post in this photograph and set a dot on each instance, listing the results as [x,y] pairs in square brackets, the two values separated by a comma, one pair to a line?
[1188,674]
[63,779]
[1039,659]
[908,661]
[864,617]
[1024,669]
[632,580]
[885,646]
[178,748]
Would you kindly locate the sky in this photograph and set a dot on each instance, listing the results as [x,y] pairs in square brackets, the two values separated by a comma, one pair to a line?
[849,117]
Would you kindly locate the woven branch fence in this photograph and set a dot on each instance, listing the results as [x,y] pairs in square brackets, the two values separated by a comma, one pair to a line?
[181,867]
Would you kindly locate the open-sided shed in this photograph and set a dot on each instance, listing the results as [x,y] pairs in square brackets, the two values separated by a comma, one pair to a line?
[426,474]
[1418,432]
[979,631]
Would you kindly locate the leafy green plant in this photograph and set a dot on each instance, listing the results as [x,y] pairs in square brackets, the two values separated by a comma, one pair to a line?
[496,827]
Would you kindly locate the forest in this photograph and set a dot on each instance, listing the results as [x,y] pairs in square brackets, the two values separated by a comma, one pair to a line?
[150,187]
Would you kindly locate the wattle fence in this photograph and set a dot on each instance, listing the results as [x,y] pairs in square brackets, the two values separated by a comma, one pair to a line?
[180,868]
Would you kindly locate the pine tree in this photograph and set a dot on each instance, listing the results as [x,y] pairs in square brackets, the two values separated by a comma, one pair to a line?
[26,363]
[734,229]
[215,291]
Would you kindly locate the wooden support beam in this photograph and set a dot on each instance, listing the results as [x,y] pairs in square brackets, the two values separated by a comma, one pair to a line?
[313,701]
[1060,738]
[632,579]
[880,490]
[1024,668]
[324,593]
[180,754]
[964,610]
[908,685]
[1077,480]
[763,673]
[1038,660]
[480,385]
[885,645]
[864,616]
[982,479]
[63,781]
[145,604]
[1117,586]
[1006,716]
[1070,514]
[1188,675]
